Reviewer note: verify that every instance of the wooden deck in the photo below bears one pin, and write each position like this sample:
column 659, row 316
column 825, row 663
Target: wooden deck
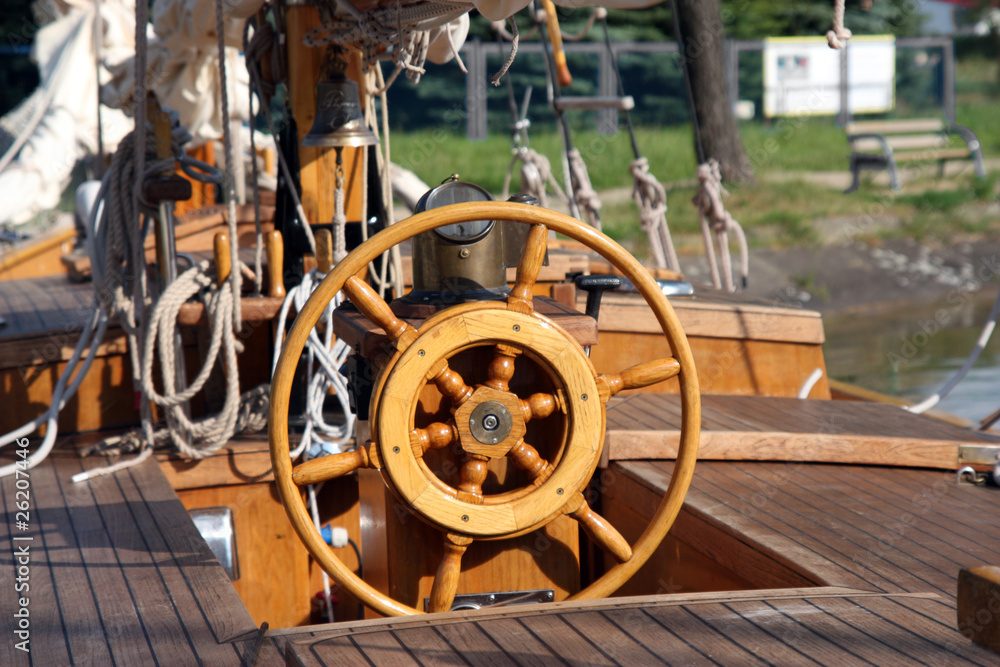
column 850, row 564
column 117, row 573
column 825, row 626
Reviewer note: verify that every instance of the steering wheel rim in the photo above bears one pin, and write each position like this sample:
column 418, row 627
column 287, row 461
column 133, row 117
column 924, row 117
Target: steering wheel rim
column 357, row 261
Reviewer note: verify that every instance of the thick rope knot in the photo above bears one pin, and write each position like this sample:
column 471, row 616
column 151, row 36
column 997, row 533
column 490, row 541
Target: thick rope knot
column 651, row 198
column 715, row 219
column 536, row 174
column 838, row 36
column 584, row 195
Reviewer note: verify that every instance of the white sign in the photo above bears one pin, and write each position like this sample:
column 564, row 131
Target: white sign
column 802, row 75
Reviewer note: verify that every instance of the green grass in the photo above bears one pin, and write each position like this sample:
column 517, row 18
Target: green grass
column 778, row 210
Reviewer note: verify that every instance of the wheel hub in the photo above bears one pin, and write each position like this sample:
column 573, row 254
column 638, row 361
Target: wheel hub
column 490, row 422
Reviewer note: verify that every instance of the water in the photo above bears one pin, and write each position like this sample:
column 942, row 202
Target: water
column 912, row 351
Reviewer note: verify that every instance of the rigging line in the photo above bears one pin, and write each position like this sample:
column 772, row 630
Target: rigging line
column 682, row 45
column 621, row 86
column 258, row 261
column 235, row 276
column 98, row 40
column 554, row 94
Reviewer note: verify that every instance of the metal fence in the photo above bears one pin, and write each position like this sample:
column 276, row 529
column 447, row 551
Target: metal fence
column 475, row 53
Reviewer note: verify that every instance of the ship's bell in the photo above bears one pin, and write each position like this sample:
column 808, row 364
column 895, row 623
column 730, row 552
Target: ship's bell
column 339, row 121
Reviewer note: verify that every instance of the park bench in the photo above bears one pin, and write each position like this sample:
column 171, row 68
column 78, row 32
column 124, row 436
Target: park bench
column 882, row 144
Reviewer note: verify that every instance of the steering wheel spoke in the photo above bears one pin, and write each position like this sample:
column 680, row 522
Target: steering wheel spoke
column 598, row 528
column 638, row 376
column 446, row 579
column 474, row 472
column 435, row 436
column 501, row 369
column 332, row 466
column 529, row 460
column 540, row 406
column 377, row 310
column 450, row 383
column 528, row 267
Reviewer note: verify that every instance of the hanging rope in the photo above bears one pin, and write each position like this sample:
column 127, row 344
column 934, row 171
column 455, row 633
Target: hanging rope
column 651, row 198
column 584, row 195
column 515, row 39
column 838, row 36
column 235, row 276
column 716, row 219
column 391, row 273
column 198, row 439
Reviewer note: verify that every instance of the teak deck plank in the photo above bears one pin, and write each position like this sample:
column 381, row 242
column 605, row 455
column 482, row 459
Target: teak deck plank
column 119, row 574
column 867, row 529
column 475, row 643
column 616, row 644
column 568, row 643
column 825, row 626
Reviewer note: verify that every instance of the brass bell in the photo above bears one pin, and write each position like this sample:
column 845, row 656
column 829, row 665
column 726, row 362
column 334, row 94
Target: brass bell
column 339, row 121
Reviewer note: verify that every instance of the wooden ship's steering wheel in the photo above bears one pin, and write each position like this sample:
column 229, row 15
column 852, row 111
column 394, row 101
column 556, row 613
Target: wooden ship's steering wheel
column 487, row 421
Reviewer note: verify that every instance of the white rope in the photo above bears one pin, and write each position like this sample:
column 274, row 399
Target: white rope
column 838, row 36
column 716, row 219
column 515, row 38
column 339, row 215
column 323, row 357
column 810, row 382
column 583, row 193
column 536, row 176
column 651, row 198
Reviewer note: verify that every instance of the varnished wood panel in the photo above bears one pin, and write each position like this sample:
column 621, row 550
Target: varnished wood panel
column 714, row 314
column 39, row 256
column 103, row 400
column 725, row 366
column 367, row 338
column 647, row 426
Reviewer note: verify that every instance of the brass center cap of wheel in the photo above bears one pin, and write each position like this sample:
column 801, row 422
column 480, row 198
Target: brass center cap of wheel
column 490, row 422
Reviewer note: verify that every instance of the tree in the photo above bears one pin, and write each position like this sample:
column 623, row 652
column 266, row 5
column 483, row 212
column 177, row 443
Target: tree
column 699, row 23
